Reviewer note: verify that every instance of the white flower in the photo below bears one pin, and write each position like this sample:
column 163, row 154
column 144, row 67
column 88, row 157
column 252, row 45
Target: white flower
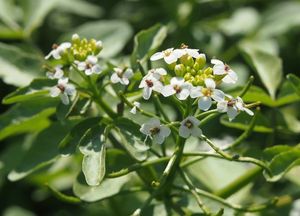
column 58, row 50
column 155, row 130
column 57, row 74
column 121, row 76
column 206, row 94
column 135, row 106
column 233, row 107
column 64, row 90
column 189, row 126
column 89, row 66
column 191, row 52
column 169, row 55
column 151, row 82
column 177, row 86
column 223, row 69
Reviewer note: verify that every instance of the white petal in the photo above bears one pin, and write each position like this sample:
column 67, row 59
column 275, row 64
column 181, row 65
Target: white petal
column 231, row 77
column 124, row 81
column 65, row 45
column 168, row 90
column 248, row 111
column 165, row 131
column 81, row 66
column 147, row 93
column 137, row 104
column 161, row 71
column 216, row 62
column 157, row 56
column 196, row 132
column 154, row 122
column 184, row 131
column 54, row 91
column 170, row 59
column 232, row 113
column 128, row 73
column 158, row 138
column 204, row 103
column 196, row 92
column 222, row 106
column 179, row 52
column 133, row 110
column 65, row 99
column 96, row 69
column 210, row 83
column 70, row 90
column 195, row 121
column 56, row 54
column 218, row 95
column 219, row 69
column 157, row 86
column 183, row 94
column 115, row 78
column 193, row 52
column 49, row 55
column 63, row 81
column 92, row 59
column 58, row 73
column 88, row 71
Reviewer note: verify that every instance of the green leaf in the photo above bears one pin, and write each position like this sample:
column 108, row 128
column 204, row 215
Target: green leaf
column 113, row 33
column 71, row 140
column 117, row 160
column 18, row 68
column 7, row 14
column 107, row 188
column 241, row 122
column 81, row 8
column 93, row 148
column 268, row 67
column 284, row 160
column 20, row 118
column 42, row 152
column 280, row 18
column 130, row 138
column 295, row 82
column 35, row 11
column 35, row 90
column 146, row 42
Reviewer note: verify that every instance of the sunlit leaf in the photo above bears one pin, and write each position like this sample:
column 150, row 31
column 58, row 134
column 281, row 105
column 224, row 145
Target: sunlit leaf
column 267, row 66
column 146, row 42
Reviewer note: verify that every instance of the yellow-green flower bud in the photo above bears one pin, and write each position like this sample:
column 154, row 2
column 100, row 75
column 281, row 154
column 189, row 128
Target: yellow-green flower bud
column 188, row 69
column 193, row 72
column 172, row 66
column 208, row 71
column 75, row 39
column 201, row 60
column 179, row 70
column 200, row 72
column 187, row 76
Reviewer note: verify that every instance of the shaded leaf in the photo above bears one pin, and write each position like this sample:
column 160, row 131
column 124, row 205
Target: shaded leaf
column 107, row 188
column 295, row 82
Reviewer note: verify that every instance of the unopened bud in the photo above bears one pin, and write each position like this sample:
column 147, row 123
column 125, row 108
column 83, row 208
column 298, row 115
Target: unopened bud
column 201, row 60
column 75, row 38
column 208, row 71
column 179, row 70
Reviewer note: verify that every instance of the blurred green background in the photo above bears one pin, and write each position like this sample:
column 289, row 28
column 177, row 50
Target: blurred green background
column 222, row 29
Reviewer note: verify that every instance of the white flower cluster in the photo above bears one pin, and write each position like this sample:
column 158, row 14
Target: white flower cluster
column 191, row 80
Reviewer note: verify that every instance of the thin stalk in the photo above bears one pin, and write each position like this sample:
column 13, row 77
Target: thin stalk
column 251, row 208
column 247, row 86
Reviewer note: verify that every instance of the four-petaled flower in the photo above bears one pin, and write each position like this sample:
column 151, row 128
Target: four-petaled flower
column 169, row 55
column 58, row 73
column 152, row 82
column 135, row 106
column 89, row 66
column 191, row 52
column 206, row 94
column 190, row 126
column 64, row 89
column 233, row 106
column 121, row 76
column 177, row 86
column 157, row 132
column 58, row 50
column 223, row 69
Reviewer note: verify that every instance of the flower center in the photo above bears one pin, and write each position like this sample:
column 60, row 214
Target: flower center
column 188, row 124
column 54, row 46
column 206, row 92
column 184, row 46
column 154, row 130
column 177, row 88
column 167, row 52
column 231, row 103
column 227, row 68
column 61, row 88
column 89, row 65
column 149, row 83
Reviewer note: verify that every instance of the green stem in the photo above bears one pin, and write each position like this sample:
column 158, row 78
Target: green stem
column 252, row 208
column 203, row 114
column 193, row 191
column 159, row 106
column 239, row 183
column 247, row 86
